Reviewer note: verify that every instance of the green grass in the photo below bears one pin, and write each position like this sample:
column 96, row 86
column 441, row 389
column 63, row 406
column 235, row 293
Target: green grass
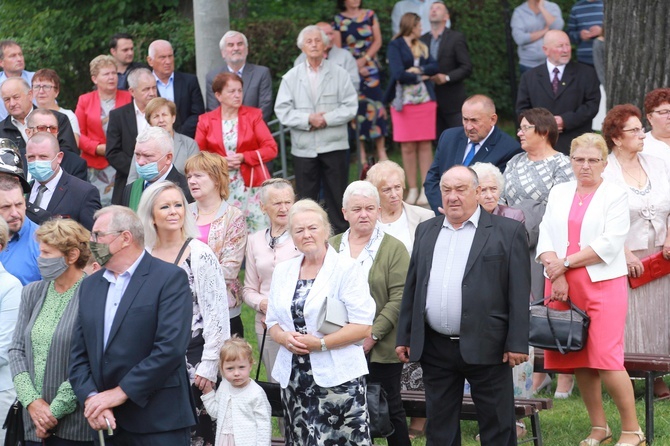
column 564, row 425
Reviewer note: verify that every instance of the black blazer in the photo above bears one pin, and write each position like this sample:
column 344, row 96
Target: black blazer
column 73, row 198
column 498, row 149
column 145, row 351
column 174, row 176
column 496, row 290
column 121, row 136
column 453, row 59
column 190, row 105
column 576, row 101
column 72, row 163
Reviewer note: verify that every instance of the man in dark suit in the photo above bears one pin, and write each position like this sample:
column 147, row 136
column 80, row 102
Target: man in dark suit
column 18, row 97
column 153, row 160
column 123, row 127
column 569, row 90
column 122, row 49
column 464, row 313
column 55, row 192
column 129, row 343
column 450, row 50
column 479, row 140
column 181, row 88
column 257, row 88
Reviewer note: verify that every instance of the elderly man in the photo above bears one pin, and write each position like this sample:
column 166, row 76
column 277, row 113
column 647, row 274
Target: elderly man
column 129, row 342
column 569, row 90
column 450, row 50
column 316, row 100
column 153, row 162
column 13, row 65
column 338, row 56
column 125, row 123
column 479, row 140
column 464, row 312
column 181, row 88
column 17, row 95
column 56, row 193
column 122, row 49
column 20, row 255
column 257, row 89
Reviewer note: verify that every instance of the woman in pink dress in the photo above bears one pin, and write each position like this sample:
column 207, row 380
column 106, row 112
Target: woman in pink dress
column 581, row 245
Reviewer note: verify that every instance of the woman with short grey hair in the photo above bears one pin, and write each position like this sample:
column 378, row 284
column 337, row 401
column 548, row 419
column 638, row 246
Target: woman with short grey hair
column 492, row 184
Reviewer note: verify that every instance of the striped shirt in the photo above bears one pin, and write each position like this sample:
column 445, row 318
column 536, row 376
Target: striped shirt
column 584, row 15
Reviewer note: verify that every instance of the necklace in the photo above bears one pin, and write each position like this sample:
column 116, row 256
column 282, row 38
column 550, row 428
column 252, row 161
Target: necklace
column 200, row 212
column 637, row 179
column 582, row 198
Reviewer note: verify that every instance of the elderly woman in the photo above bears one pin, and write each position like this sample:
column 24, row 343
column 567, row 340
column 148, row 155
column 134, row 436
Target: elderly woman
column 529, row 176
column 657, row 106
column 385, row 261
column 322, row 376
column 40, row 352
column 647, row 181
column 46, row 86
column 581, row 246
column 265, row 249
column 239, row 134
column 414, row 108
column 219, row 225
column 10, row 298
column 161, row 112
column 93, row 115
column 318, row 123
column 396, row 217
column 170, row 235
column 361, row 35
column 492, row 183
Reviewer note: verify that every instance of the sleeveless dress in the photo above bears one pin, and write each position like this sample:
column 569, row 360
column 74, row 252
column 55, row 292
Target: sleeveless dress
column 357, row 38
column 315, row 415
column 605, row 302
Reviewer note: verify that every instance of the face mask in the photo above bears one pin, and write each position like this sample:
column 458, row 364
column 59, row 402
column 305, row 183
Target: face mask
column 149, row 171
column 41, row 170
column 100, row 252
column 51, row 268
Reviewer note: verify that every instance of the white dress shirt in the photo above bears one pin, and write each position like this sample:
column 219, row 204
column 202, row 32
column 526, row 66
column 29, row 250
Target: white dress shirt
column 140, row 119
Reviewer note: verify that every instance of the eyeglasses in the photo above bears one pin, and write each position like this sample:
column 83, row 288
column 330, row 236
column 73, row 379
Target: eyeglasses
column 525, row 128
column 664, row 113
column 635, row 131
column 53, row 129
column 589, row 161
column 95, row 235
column 43, row 87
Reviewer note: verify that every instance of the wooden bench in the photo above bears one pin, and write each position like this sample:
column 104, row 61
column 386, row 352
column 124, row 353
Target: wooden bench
column 638, row 365
column 414, row 402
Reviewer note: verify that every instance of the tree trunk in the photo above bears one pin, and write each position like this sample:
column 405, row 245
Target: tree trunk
column 637, row 33
column 211, row 22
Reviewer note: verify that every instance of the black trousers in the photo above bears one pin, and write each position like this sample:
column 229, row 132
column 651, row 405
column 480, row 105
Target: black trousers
column 178, row 437
column 388, row 375
column 492, row 390
column 331, row 169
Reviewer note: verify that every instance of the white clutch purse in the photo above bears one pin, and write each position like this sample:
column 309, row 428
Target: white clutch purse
column 332, row 316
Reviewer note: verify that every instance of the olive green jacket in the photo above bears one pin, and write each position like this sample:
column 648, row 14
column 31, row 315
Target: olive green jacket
column 387, row 281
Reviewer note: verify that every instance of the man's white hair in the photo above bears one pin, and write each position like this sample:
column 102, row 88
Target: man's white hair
column 230, row 34
column 159, row 136
column 310, row 29
column 154, row 44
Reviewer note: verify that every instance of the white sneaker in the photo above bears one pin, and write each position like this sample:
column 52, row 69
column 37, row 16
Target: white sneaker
column 412, row 195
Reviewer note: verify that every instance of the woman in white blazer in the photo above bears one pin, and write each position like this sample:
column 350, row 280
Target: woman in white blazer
column 323, row 388
column 581, row 245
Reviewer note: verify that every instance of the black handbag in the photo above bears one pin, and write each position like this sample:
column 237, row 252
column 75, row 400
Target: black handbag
column 378, row 409
column 15, row 435
column 272, row 390
column 561, row 330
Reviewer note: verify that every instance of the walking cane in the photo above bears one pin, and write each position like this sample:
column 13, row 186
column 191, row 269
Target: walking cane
column 101, row 434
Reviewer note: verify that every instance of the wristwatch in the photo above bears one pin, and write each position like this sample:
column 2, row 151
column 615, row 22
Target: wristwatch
column 323, row 345
column 566, row 263
column 374, row 338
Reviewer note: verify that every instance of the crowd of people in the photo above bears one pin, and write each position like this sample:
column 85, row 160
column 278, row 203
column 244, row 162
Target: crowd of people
column 126, row 224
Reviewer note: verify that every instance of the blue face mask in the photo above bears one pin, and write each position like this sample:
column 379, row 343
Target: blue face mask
column 149, row 171
column 41, row 170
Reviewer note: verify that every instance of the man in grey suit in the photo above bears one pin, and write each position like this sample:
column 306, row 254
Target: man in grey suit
column 257, row 80
column 464, row 312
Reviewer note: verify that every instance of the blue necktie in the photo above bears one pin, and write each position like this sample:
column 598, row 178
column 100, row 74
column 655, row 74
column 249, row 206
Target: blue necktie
column 470, row 155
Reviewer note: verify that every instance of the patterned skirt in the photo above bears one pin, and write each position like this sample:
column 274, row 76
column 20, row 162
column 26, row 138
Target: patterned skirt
column 317, row 415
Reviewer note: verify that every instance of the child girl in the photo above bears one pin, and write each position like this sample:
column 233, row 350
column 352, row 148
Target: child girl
column 239, row 404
